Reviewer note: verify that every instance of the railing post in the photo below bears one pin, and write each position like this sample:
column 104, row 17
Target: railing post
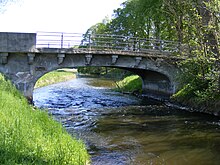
column 62, row 40
column 134, row 46
column 160, row 46
column 89, row 41
column 179, row 48
column 139, row 45
column 134, row 43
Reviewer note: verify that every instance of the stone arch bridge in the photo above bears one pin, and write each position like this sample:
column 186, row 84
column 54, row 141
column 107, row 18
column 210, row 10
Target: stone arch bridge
column 25, row 57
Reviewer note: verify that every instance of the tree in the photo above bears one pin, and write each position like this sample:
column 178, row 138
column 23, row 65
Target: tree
column 93, row 35
column 201, row 70
column 136, row 19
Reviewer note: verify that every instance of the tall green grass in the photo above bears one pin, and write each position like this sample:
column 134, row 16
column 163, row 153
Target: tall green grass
column 30, row 136
column 55, row 77
column 131, row 84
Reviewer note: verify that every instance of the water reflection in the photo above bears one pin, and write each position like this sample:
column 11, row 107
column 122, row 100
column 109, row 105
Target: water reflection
column 120, row 130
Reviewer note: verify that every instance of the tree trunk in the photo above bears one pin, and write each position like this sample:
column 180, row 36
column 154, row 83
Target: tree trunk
column 210, row 37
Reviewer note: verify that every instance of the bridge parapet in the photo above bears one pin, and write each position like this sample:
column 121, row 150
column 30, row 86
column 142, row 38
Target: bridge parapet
column 17, row 42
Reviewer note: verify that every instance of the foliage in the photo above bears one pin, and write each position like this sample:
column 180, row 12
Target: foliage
column 201, row 70
column 30, row 136
column 55, row 77
column 131, row 84
column 104, row 71
column 95, row 30
column 93, row 70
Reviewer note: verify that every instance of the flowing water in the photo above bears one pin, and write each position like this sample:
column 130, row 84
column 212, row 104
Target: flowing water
column 125, row 130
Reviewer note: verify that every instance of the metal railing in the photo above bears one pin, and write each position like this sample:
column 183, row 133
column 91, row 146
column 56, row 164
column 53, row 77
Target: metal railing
column 103, row 42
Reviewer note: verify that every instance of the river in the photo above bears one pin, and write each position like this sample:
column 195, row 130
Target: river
column 125, row 130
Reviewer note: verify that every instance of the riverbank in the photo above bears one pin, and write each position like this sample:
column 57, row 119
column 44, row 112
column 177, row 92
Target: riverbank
column 30, row 136
column 132, row 84
column 211, row 107
column 56, row 76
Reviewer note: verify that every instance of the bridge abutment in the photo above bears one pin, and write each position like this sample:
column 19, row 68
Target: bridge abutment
column 158, row 87
column 23, row 81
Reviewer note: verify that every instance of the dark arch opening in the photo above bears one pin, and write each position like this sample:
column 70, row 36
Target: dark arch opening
column 101, row 84
column 55, row 76
column 153, row 82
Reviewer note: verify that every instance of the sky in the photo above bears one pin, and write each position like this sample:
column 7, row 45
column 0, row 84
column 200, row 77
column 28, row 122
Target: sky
column 74, row 16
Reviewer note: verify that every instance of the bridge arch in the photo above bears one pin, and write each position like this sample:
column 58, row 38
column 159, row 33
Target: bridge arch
column 156, row 79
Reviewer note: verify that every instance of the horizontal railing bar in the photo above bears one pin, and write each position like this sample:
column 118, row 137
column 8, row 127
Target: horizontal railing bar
column 56, row 32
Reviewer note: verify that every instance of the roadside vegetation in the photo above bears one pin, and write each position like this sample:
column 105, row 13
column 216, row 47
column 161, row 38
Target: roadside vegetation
column 31, row 136
column 55, row 77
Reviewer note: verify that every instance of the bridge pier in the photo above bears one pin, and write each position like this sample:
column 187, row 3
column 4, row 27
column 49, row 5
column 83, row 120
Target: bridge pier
column 27, row 89
column 24, row 82
column 158, row 88
column 155, row 83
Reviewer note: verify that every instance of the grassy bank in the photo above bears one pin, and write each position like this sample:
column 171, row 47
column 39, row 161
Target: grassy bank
column 30, row 136
column 55, row 77
column 202, row 101
column 130, row 84
column 188, row 96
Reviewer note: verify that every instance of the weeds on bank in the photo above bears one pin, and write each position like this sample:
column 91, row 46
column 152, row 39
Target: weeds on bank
column 131, row 84
column 30, row 136
column 55, row 77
